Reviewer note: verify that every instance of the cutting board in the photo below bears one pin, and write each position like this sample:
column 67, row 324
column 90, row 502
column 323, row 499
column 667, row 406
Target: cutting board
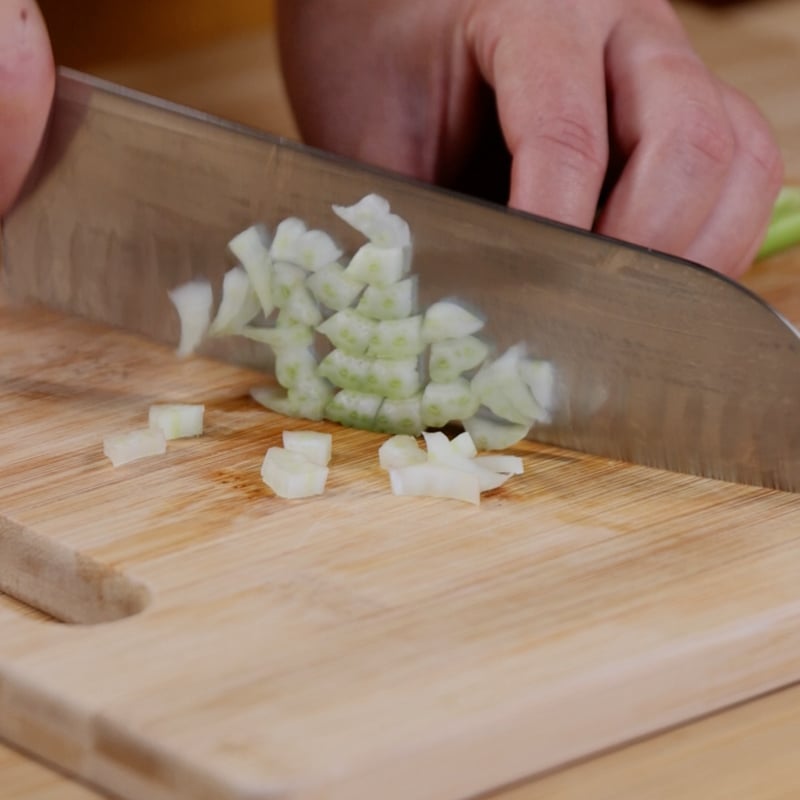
column 216, row 641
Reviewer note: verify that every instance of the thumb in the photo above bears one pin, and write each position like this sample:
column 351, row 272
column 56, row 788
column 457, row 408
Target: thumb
column 27, row 79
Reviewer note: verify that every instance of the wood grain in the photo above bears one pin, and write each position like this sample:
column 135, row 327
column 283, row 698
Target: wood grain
column 762, row 53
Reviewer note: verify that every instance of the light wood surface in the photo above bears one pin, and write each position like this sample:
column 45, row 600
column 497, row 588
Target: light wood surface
column 745, row 752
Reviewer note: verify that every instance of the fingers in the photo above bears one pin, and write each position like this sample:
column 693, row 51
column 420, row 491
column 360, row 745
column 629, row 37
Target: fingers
column 732, row 234
column 552, row 109
column 26, row 89
column 702, row 168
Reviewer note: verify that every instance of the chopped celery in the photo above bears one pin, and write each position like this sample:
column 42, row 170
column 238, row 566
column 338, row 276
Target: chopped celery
column 445, row 402
column 287, row 232
column 397, row 338
column 315, row 249
column 347, row 330
column 177, row 420
column 391, row 302
column 300, row 307
column 400, row 416
column 316, row 446
column 490, row 434
column 291, row 475
column 251, row 248
column 400, row 451
column 294, row 365
column 450, row 358
column 192, row 301
column 333, row 287
column 396, row 379
column 239, row 304
column 354, row 409
column 346, row 371
column 372, row 217
column 378, row 266
column 285, row 277
column 286, row 336
column 499, row 386
column 447, row 319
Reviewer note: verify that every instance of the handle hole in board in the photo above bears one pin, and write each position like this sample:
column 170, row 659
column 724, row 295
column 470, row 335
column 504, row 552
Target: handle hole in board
column 46, row 581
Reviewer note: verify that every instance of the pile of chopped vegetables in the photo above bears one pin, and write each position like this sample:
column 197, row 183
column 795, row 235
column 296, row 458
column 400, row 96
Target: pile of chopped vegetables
column 165, row 421
column 390, row 366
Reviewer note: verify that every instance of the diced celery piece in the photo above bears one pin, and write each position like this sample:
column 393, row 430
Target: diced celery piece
column 353, row 409
column 316, row 446
column 490, row 434
column 315, row 249
column 499, row 386
column 445, row 402
column 307, row 400
column 391, row 302
column 378, row 266
column 177, row 420
column 436, row 480
column 291, row 475
column 285, row 277
column 540, row 377
column 446, row 319
column 333, row 287
column 400, row 416
column 397, row 338
column 450, row 358
column 284, row 242
column 293, row 365
column 347, row 330
column 122, row 448
column 278, row 338
column 300, row 307
column 400, row 451
column 396, row 379
column 463, row 444
column 251, row 248
column 238, row 306
column 192, row 301
column 345, row 370
column 442, row 451
column 371, row 216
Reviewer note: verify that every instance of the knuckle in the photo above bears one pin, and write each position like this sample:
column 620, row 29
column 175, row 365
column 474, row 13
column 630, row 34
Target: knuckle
column 576, row 143
column 704, row 140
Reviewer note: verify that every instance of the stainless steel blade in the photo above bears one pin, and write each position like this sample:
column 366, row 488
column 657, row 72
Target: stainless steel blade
column 658, row 361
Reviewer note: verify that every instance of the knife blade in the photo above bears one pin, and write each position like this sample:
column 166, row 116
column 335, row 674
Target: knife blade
column 658, row 361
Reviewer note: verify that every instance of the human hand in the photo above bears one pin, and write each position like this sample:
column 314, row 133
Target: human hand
column 26, row 89
column 601, row 105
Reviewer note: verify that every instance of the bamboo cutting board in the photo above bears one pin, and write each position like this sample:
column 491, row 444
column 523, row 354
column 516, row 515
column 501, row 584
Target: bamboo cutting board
column 360, row 645
column 234, row 645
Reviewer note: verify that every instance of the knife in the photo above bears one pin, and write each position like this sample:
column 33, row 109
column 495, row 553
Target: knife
column 658, row 361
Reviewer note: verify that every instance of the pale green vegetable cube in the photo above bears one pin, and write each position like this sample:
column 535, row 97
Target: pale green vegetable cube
column 396, row 379
column 347, row 330
column 379, row 266
column 353, row 409
column 400, row 416
column 345, row 370
column 291, row 475
column 333, row 287
column 397, row 338
column 445, row 402
column 447, row 319
column 177, row 420
column 450, row 358
column 391, row 302
column 285, row 277
column 316, row 446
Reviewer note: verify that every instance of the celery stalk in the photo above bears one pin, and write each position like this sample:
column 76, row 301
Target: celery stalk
column 784, row 227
